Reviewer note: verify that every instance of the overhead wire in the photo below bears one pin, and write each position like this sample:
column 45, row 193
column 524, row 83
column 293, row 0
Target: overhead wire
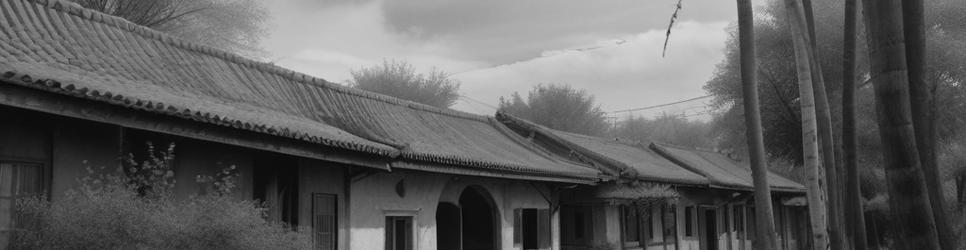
column 659, row 105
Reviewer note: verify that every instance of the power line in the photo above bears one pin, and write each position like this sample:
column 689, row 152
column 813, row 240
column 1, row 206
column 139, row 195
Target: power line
column 479, row 102
column 659, row 105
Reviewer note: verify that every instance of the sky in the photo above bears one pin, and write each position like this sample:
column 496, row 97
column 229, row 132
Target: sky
column 610, row 48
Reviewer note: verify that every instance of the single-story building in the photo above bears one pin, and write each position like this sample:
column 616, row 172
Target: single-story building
column 362, row 170
column 667, row 197
column 727, row 210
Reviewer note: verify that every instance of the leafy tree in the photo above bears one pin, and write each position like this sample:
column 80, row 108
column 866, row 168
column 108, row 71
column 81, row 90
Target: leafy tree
column 945, row 38
column 946, row 43
column 559, row 107
column 399, row 79
column 674, row 129
column 232, row 25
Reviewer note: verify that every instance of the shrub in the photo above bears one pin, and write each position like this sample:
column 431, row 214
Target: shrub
column 132, row 208
column 602, row 245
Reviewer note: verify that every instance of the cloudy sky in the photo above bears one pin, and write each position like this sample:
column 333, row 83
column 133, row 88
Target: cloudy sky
column 611, row 48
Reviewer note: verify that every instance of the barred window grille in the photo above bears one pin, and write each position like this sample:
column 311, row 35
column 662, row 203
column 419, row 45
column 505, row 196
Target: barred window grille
column 17, row 180
column 324, row 221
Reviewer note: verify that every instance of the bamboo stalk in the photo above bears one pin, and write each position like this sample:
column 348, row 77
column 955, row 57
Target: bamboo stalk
column 764, row 213
column 816, row 203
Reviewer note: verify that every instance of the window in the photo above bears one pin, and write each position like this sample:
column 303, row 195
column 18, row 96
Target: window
column 751, row 223
column 670, row 224
column 739, row 224
column 17, row 180
column 399, row 233
column 531, row 228
column 650, row 218
column 689, row 221
column 276, row 182
column 324, row 221
column 576, row 225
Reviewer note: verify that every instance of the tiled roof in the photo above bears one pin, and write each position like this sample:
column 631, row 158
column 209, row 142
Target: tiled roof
column 721, row 170
column 633, row 158
column 636, row 191
column 60, row 47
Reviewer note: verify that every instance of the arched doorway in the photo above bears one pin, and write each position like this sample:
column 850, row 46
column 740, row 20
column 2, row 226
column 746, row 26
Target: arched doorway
column 479, row 223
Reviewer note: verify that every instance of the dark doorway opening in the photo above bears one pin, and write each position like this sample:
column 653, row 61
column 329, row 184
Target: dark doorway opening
column 530, row 232
column 711, row 238
column 478, row 224
column 448, row 226
column 276, row 183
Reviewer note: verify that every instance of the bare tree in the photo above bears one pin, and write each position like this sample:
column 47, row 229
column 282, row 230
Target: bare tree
column 816, row 202
column 232, row 25
column 908, row 196
column 764, row 214
column 149, row 13
column 854, row 213
column 399, row 79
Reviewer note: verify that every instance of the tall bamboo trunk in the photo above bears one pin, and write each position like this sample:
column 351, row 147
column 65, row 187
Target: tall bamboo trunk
column 826, row 142
column 922, row 94
column 764, row 213
column 854, row 214
column 816, row 203
column 908, row 198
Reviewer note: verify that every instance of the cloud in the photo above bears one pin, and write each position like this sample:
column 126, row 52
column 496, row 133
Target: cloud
column 621, row 76
column 503, row 31
column 611, row 48
column 331, row 40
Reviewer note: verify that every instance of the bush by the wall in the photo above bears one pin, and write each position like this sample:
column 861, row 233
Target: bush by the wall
column 131, row 208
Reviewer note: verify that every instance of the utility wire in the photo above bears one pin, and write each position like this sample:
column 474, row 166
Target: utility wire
column 659, row 105
column 479, row 102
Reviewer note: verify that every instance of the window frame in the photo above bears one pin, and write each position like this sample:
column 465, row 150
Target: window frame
column 690, row 222
column 738, row 216
column 543, row 226
column 335, row 220
column 410, row 215
column 44, row 188
column 625, row 212
column 669, row 224
column 576, row 230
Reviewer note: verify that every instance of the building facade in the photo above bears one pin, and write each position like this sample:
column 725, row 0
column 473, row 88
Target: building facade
column 81, row 89
column 666, row 196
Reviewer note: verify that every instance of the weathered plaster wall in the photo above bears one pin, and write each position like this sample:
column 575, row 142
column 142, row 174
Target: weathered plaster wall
column 374, row 197
column 63, row 145
column 322, row 177
column 78, row 145
column 612, row 227
column 194, row 158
